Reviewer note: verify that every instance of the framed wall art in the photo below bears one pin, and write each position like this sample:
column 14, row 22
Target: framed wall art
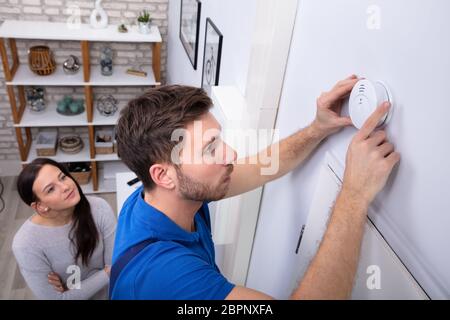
column 211, row 56
column 190, row 28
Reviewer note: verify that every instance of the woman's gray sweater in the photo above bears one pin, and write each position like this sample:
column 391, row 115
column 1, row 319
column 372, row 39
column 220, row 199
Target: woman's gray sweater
column 41, row 249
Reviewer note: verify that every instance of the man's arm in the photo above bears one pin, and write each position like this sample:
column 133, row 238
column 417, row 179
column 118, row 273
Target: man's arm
column 331, row 273
column 248, row 173
column 370, row 160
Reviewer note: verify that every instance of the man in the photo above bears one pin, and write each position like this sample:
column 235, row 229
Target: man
column 158, row 139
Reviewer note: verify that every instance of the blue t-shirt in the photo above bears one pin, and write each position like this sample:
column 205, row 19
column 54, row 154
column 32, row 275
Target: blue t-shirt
column 177, row 265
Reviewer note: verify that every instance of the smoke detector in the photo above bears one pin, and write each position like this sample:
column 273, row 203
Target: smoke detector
column 365, row 97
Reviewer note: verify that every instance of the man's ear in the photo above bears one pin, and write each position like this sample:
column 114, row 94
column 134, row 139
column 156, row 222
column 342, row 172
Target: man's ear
column 159, row 174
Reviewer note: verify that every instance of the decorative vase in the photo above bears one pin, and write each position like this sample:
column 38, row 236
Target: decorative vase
column 144, row 27
column 40, row 60
column 35, row 98
column 99, row 18
column 74, row 107
column 61, row 107
column 107, row 105
column 122, row 28
column 69, row 106
column 71, row 65
column 106, row 63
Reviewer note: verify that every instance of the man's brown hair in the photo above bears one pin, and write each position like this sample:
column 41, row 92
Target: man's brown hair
column 146, row 124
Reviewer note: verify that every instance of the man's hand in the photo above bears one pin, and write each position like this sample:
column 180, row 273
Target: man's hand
column 370, row 159
column 329, row 105
column 55, row 280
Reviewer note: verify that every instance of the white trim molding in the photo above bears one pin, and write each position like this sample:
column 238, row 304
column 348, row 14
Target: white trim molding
column 235, row 219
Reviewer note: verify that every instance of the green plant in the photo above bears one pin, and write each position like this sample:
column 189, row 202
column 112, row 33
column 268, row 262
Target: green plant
column 144, row 16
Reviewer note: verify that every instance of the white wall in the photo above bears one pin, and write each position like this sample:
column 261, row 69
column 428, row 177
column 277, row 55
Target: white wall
column 409, row 52
column 235, row 19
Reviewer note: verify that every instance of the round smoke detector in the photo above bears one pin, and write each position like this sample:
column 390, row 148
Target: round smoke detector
column 366, row 96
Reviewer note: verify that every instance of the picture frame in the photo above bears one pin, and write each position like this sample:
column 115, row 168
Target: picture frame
column 190, row 13
column 211, row 56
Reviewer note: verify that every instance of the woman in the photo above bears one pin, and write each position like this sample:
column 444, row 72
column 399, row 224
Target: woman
column 64, row 250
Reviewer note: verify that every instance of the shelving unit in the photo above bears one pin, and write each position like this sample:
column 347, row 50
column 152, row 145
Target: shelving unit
column 19, row 75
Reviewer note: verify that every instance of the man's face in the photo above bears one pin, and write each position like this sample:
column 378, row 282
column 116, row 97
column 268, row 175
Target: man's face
column 206, row 162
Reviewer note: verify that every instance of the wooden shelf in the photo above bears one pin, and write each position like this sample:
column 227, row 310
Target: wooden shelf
column 44, row 30
column 82, row 156
column 106, row 157
column 25, row 77
column 18, row 75
column 51, row 118
column 121, row 78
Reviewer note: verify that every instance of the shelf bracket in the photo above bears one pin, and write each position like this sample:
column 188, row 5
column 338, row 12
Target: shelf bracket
column 156, row 60
column 24, row 149
column 94, row 175
column 86, row 60
column 91, row 141
column 9, row 72
column 89, row 103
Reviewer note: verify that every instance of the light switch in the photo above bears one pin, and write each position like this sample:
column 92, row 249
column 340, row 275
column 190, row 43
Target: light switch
column 365, row 97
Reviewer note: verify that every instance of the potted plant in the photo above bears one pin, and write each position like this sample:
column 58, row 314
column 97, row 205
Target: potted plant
column 144, row 21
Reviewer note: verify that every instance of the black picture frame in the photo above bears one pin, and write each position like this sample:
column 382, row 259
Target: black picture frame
column 212, row 54
column 190, row 13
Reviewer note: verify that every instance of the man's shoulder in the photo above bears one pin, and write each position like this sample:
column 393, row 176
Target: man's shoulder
column 164, row 249
column 168, row 270
column 158, row 259
column 163, row 257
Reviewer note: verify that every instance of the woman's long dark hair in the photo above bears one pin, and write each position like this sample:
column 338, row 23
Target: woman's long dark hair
column 83, row 234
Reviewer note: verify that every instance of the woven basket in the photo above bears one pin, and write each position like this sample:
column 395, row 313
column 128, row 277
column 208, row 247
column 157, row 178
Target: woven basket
column 40, row 60
column 71, row 144
column 81, row 177
column 104, row 150
column 46, row 152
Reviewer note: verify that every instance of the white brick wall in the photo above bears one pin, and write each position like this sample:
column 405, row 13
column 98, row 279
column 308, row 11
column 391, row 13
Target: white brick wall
column 56, row 10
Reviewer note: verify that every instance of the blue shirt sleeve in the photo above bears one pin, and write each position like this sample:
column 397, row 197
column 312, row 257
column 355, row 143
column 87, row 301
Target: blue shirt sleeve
column 180, row 275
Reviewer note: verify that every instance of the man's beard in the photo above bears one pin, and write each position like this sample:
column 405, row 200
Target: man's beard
column 194, row 190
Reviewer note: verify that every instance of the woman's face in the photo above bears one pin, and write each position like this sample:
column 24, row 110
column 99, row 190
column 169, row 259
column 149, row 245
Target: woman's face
column 55, row 190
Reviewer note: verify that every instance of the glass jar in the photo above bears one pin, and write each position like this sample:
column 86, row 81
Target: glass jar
column 106, row 61
column 35, row 99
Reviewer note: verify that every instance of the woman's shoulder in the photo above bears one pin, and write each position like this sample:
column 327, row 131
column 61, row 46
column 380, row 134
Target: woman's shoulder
column 97, row 202
column 101, row 210
column 26, row 236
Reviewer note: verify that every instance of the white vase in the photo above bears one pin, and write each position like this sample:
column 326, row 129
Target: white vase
column 144, row 27
column 99, row 19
